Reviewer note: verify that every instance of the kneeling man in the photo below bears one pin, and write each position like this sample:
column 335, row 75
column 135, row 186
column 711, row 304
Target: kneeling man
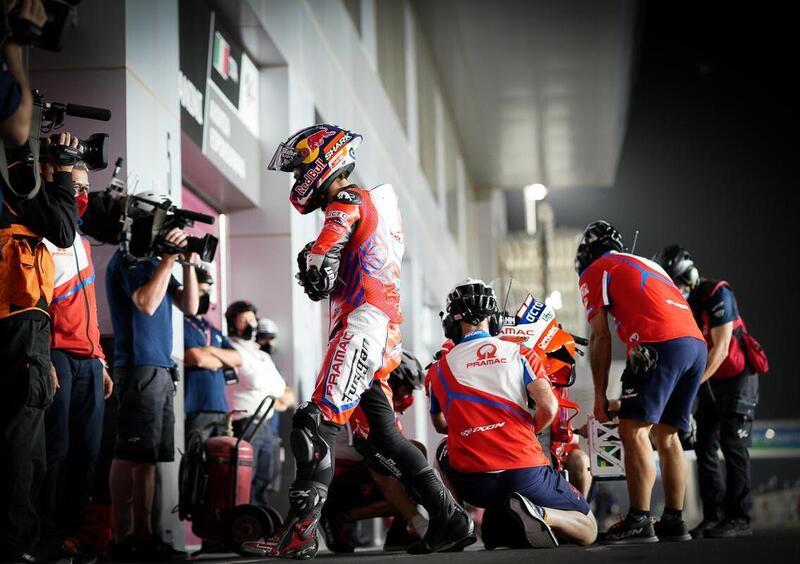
column 481, row 392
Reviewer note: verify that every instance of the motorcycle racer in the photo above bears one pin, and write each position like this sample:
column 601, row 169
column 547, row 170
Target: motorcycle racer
column 355, row 261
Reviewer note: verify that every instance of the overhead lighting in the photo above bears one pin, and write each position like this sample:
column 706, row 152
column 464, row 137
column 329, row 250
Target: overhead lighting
column 554, row 300
column 535, row 192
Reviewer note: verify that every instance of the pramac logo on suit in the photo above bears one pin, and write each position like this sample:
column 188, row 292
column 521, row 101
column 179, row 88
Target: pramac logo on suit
column 486, row 355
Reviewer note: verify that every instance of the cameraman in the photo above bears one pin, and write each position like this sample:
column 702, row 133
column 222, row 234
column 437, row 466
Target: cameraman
column 16, row 101
column 140, row 296
column 27, row 377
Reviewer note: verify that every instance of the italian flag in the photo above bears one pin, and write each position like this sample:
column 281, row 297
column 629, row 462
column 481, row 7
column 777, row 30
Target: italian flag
column 221, row 54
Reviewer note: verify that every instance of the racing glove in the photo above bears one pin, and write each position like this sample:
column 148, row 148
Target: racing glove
column 642, row 359
column 318, row 280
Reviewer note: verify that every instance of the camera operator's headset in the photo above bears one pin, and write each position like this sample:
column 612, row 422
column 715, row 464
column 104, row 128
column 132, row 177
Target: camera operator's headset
column 34, row 146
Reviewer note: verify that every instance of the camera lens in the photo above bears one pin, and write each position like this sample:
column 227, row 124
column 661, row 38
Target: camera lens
column 95, row 151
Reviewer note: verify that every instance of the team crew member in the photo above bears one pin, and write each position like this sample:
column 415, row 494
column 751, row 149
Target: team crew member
column 140, row 296
column 257, row 377
column 27, row 378
column 480, row 392
column 726, row 400
column 366, row 483
column 356, row 261
column 74, row 421
column 666, row 356
column 206, row 352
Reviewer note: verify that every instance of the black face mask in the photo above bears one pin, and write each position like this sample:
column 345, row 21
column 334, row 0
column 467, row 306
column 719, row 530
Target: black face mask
column 249, row 333
column 267, row 348
column 205, row 302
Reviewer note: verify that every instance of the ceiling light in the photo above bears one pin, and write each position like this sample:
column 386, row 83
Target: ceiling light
column 535, row 192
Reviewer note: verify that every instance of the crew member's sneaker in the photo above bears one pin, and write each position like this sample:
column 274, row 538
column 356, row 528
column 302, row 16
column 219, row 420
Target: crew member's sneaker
column 399, row 536
column 452, row 530
column 630, row 531
column 33, row 557
column 72, row 548
column 671, row 529
column 730, row 529
column 336, row 537
column 530, row 517
column 700, row 530
column 129, row 549
column 157, row 550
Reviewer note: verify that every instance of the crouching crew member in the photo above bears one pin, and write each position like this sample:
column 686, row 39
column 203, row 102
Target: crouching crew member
column 368, row 483
column 480, row 394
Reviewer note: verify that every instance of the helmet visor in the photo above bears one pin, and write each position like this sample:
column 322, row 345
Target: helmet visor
column 285, row 159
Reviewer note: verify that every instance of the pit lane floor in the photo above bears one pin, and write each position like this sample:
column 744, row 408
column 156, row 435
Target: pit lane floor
column 764, row 547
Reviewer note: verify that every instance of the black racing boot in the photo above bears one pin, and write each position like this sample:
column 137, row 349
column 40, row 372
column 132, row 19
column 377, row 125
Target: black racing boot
column 297, row 536
column 450, row 527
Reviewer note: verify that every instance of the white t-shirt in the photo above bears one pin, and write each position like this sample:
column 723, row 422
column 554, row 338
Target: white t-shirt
column 258, row 378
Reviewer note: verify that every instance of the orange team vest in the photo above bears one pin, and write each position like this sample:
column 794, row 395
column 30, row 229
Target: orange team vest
column 27, row 273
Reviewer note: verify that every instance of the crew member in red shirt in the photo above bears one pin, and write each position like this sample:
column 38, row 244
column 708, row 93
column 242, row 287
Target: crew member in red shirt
column 666, row 356
column 74, row 421
column 480, row 393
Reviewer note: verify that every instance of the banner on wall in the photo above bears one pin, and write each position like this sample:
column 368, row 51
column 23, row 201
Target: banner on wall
column 219, row 95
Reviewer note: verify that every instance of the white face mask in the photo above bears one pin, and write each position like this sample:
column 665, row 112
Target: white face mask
column 685, row 293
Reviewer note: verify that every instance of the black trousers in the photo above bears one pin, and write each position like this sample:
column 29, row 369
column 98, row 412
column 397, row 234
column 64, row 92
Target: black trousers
column 26, row 392
column 725, row 411
column 73, row 430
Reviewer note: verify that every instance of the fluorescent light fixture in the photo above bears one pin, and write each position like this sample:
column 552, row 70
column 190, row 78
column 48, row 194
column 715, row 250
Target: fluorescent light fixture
column 535, row 192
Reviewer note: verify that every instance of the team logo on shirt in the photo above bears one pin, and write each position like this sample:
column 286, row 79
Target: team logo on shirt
column 486, row 355
column 480, row 429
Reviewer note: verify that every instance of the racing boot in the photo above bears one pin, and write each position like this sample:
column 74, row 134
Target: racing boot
column 450, row 527
column 297, row 536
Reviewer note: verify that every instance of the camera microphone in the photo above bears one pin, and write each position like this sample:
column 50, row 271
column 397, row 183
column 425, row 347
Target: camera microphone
column 88, row 112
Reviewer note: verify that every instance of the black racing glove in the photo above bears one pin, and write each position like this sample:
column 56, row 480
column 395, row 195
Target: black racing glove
column 317, row 282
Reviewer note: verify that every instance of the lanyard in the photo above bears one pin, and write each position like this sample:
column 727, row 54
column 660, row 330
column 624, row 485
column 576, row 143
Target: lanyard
column 205, row 330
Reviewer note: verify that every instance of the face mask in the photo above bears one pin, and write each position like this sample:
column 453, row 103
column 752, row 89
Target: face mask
column 249, row 333
column 205, row 302
column 267, row 348
column 82, row 201
column 685, row 293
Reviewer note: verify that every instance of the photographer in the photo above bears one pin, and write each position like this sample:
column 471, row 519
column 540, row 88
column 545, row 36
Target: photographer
column 16, row 101
column 27, row 377
column 74, row 421
column 206, row 352
column 140, row 296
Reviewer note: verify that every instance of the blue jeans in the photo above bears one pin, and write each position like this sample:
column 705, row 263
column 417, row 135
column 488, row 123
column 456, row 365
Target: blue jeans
column 73, row 430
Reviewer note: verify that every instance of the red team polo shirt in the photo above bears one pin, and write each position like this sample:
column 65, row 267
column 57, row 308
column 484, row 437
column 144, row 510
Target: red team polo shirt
column 481, row 387
column 646, row 305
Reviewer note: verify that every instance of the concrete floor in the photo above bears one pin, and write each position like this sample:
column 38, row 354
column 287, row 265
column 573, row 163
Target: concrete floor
column 764, row 547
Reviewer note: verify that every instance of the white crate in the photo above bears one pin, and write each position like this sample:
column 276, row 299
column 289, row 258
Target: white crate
column 605, row 450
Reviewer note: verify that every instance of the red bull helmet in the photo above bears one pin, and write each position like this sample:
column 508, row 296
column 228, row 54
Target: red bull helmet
column 317, row 155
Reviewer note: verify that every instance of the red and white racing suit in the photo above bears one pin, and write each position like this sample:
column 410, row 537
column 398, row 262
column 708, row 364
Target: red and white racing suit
column 364, row 228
